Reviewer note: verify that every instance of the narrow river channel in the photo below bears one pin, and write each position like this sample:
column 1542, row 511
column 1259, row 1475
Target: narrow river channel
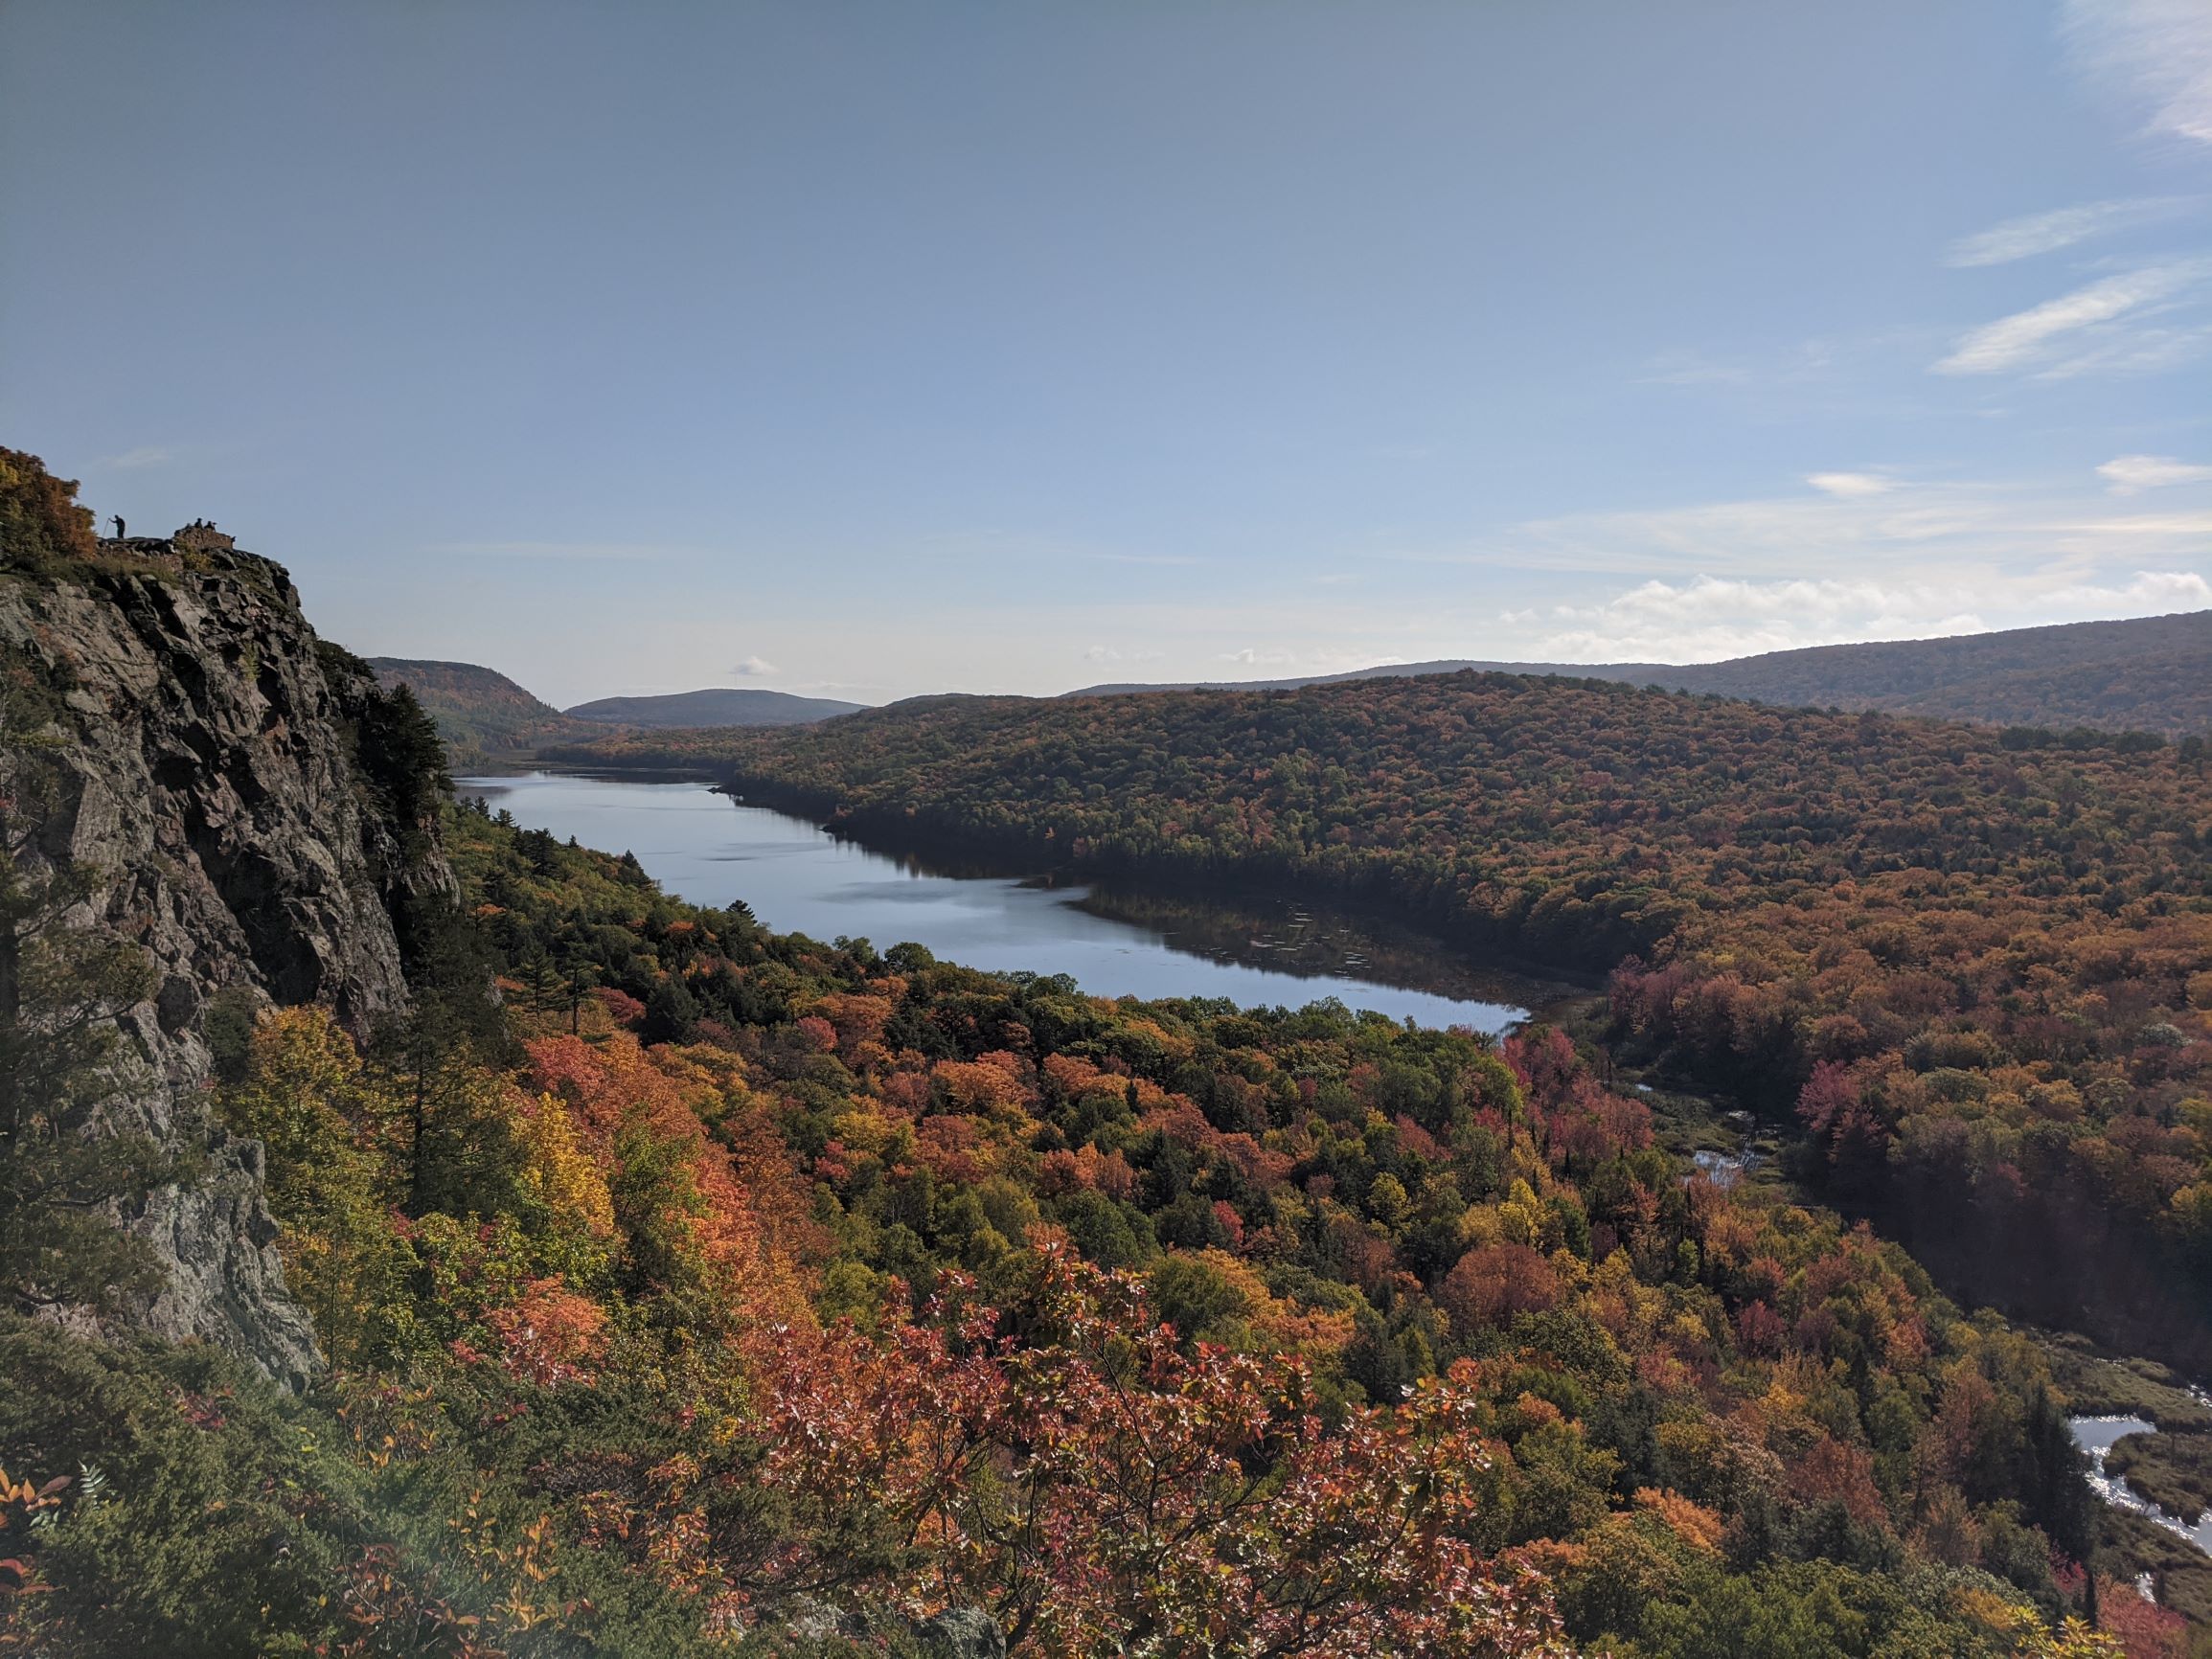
column 2096, row 1435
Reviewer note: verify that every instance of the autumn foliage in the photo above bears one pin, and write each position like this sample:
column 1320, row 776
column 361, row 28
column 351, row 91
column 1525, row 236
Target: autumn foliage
column 1980, row 961
column 885, row 1287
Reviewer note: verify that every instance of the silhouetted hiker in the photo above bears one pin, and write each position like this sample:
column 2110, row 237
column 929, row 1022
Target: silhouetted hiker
column 118, row 517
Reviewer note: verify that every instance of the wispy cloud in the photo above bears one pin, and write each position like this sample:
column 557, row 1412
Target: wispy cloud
column 2028, row 339
column 754, row 667
column 133, row 460
column 2157, row 54
column 1115, row 654
column 2150, row 526
column 2023, row 239
column 2131, row 474
column 1850, row 486
column 584, row 551
column 2132, row 349
column 1687, row 366
column 1159, row 558
column 1898, row 535
column 1319, row 660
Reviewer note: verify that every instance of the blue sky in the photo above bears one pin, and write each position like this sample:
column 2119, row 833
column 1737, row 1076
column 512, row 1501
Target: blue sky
column 874, row 349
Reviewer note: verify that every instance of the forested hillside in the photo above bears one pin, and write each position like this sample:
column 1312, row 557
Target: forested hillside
column 2149, row 673
column 485, row 718
column 2152, row 674
column 482, row 715
column 749, row 1284
column 1979, row 962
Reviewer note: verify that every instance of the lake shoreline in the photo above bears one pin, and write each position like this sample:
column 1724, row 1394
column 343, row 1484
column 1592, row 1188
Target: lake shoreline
column 1012, row 915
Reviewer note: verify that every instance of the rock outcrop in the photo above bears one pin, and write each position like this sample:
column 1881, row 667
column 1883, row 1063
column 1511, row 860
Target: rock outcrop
column 209, row 781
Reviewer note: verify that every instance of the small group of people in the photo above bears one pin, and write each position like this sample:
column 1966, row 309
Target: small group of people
column 206, row 524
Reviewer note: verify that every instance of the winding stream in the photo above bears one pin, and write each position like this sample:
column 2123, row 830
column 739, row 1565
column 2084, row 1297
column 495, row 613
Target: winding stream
column 2097, row 1436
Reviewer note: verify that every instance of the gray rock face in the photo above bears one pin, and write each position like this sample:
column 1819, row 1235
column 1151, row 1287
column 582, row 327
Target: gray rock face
column 962, row 1633
column 954, row 1634
column 209, row 781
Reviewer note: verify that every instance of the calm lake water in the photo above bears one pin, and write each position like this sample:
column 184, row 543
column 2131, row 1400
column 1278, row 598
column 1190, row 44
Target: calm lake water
column 798, row 878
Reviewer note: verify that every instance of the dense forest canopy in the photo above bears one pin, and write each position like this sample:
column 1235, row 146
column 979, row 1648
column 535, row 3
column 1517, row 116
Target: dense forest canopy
column 1978, row 962
column 746, row 1283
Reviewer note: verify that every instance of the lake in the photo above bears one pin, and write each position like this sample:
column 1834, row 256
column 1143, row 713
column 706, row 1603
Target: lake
column 797, row 877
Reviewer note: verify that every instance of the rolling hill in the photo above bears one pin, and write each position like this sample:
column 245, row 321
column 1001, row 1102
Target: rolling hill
column 716, row 706
column 483, row 715
column 2149, row 673
column 485, row 718
column 1905, row 933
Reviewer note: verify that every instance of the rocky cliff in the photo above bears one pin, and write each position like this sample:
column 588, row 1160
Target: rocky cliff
column 215, row 780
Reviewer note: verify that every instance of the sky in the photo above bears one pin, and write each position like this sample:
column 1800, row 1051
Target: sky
column 873, row 348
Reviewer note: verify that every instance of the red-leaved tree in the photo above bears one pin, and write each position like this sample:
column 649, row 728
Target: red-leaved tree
column 1067, row 1466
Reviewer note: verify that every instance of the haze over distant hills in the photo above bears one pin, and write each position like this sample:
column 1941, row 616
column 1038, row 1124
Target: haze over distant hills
column 2151, row 674
column 716, row 706
column 485, row 717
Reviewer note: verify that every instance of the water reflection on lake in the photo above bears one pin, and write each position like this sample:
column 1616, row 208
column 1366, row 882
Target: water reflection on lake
column 797, row 877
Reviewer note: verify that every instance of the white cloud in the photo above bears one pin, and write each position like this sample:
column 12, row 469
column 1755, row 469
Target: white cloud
column 1850, row 486
column 2023, row 238
column 1973, row 539
column 753, row 667
column 2025, row 339
column 2155, row 53
column 1709, row 618
column 1903, row 526
column 2130, row 475
column 2153, row 592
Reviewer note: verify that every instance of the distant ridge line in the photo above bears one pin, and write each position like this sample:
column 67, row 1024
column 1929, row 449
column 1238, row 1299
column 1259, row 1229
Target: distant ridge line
column 2152, row 673
column 712, row 706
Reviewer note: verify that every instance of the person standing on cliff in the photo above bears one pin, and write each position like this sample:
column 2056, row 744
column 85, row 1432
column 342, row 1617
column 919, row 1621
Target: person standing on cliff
column 118, row 518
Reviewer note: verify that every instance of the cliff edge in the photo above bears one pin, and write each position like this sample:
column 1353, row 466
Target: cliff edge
column 217, row 787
